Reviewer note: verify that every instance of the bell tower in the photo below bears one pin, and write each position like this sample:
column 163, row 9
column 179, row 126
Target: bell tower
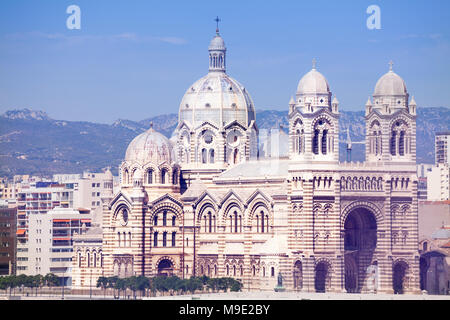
column 391, row 121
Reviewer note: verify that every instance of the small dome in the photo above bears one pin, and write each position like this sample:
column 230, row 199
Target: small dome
column 217, row 43
column 313, row 83
column 150, row 146
column 390, row 84
column 443, row 233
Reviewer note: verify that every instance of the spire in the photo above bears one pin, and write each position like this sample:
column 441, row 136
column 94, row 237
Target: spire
column 413, row 102
column 217, row 20
column 217, row 51
column 314, row 61
column 335, row 100
column 291, row 102
column 368, row 103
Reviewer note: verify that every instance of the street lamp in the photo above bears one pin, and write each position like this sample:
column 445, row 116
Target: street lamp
column 62, row 298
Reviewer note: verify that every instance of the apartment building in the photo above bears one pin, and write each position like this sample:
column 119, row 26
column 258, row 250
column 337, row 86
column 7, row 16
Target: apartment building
column 7, row 239
column 50, row 248
column 442, row 148
column 81, row 192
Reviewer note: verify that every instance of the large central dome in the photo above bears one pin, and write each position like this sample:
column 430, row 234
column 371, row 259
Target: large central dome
column 216, row 98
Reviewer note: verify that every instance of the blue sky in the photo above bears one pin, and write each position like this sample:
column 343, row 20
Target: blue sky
column 135, row 59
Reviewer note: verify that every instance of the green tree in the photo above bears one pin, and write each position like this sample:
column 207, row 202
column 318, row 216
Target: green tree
column 112, row 284
column 193, row 284
column 102, row 282
column 143, row 284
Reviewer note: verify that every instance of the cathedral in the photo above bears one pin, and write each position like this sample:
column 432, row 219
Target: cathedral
column 205, row 202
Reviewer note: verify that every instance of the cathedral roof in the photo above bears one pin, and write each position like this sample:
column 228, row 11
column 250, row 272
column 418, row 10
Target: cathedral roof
column 313, row 83
column 258, row 168
column 217, row 98
column 150, row 146
column 390, row 84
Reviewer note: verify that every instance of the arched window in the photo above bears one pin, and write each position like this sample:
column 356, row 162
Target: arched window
column 163, row 176
column 228, row 270
column 175, row 177
column 118, row 237
column 174, row 218
column 254, row 271
column 155, row 239
column 211, row 155
column 272, row 272
column 155, row 220
column 174, row 237
column 88, row 259
column 324, row 141
column 164, row 218
column 150, row 176
column 210, row 222
column 126, row 177
column 204, row 155
column 393, row 143
column 129, row 239
column 401, row 144
column 315, row 144
column 262, row 221
column 164, row 239
column 95, row 260
column 79, row 259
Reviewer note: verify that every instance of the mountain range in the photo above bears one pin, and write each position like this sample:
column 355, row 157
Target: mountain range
column 33, row 143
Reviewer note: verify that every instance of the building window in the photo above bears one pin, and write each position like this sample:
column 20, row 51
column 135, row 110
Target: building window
column 164, row 239
column 174, row 237
column 155, row 239
column 150, row 176
column 163, row 176
column 174, row 221
column 164, row 218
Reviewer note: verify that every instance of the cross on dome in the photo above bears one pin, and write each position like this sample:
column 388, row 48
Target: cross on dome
column 217, row 20
column 314, row 61
column 390, row 65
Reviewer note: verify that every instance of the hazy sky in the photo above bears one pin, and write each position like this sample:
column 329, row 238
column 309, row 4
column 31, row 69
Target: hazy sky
column 135, row 59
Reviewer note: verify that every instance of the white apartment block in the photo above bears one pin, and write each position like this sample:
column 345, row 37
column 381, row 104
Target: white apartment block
column 442, row 147
column 50, row 246
column 73, row 191
column 438, row 183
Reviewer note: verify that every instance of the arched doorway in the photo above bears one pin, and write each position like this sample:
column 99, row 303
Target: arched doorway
column 298, row 276
column 399, row 272
column 322, row 277
column 351, row 274
column 165, row 268
column 360, row 239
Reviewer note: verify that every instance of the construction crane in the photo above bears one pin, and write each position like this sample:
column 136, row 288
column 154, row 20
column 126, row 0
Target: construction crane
column 349, row 144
